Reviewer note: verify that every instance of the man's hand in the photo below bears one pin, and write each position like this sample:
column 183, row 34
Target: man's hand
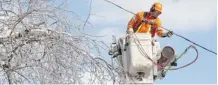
column 130, row 31
column 169, row 34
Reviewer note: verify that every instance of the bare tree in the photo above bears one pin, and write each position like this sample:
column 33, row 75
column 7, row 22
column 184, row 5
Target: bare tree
column 35, row 47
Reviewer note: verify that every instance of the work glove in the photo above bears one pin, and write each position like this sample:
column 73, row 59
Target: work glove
column 169, row 34
column 130, row 31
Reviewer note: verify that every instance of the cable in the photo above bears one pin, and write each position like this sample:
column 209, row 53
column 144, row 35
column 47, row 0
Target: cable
column 190, row 62
column 141, row 49
column 120, row 7
column 181, row 56
column 192, row 42
column 166, row 29
column 168, row 61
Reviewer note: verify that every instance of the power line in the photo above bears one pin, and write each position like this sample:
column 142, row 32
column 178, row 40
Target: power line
column 167, row 30
column 192, row 42
column 120, row 7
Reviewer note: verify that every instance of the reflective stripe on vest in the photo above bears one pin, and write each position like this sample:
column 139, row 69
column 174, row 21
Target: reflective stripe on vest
column 151, row 29
column 140, row 24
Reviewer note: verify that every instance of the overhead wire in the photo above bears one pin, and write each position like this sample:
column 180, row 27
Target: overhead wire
column 167, row 30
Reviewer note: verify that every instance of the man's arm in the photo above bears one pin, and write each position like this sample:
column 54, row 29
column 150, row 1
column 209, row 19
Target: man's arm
column 159, row 30
column 158, row 25
column 132, row 22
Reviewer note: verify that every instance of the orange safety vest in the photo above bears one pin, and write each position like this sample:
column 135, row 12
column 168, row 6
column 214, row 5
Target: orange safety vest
column 139, row 25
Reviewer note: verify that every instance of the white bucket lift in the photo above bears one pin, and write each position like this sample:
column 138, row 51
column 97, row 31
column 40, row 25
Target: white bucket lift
column 137, row 53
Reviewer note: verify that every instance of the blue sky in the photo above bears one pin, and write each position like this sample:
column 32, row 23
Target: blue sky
column 194, row 19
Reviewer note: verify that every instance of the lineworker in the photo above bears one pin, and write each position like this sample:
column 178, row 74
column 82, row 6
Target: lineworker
column 148, row 22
